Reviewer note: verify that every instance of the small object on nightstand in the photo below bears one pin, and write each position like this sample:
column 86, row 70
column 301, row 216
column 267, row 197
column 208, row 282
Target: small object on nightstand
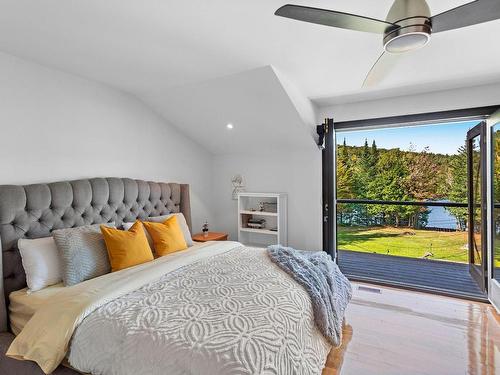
column 210, row 236
column 204, row 229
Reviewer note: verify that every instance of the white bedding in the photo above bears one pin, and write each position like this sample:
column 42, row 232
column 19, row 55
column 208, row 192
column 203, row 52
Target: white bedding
column 23, row 304
column 222, row 309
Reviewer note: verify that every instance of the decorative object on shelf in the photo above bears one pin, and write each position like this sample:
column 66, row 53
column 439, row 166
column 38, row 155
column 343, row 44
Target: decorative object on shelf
column 204, row 229
column 270, row 206
column 256, row 223
column 261, row 206
column 238, row 186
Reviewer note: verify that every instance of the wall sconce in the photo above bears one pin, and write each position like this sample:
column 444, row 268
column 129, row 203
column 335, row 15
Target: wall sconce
column 238, row 187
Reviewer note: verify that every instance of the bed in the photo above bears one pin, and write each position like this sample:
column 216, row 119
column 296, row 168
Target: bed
column 215, row 308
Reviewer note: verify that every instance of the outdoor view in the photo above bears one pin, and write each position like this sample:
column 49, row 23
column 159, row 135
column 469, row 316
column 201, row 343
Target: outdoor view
column 425, row 163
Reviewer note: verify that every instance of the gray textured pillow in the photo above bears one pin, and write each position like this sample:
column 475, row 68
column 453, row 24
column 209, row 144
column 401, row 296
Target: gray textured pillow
column 83, row 253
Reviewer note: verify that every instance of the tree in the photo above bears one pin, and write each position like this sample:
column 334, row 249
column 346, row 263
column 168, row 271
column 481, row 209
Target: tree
column 389, row 184
column 382, row 174
column 367, row 169
column 423, row 176
column 374, row 159
column 421, row 183
column 457, row 185
column 345, row 180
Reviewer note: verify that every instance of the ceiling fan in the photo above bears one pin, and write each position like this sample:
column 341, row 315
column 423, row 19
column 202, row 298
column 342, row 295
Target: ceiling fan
column 408, row 26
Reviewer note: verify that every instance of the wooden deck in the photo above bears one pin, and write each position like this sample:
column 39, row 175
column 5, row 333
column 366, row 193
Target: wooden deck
column 431, row 275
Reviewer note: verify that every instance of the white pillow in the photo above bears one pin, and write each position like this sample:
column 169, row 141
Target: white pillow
column 41, row 262
column 160, row 219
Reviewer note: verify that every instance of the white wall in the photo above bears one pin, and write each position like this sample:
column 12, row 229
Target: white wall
column 475, row 96
column 298, row 173
column 56, row 126
column 295, row 173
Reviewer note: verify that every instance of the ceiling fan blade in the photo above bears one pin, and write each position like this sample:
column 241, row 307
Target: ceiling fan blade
column 478, row 11
column 334, row 19
column 381, row 69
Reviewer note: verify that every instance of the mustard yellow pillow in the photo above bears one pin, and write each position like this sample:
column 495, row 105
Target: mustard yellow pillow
column 126, row 248
column 167, row 236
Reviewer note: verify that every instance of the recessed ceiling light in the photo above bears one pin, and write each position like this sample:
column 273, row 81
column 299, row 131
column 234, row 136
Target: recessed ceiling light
column 229, row 126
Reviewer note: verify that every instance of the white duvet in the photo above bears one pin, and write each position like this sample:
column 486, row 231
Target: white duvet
column 225, row 310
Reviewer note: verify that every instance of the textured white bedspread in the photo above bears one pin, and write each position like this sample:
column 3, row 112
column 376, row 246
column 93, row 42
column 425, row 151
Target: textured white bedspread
column 232, row 313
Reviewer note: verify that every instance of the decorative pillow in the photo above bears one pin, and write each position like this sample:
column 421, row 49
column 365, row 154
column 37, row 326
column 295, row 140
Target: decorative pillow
column 167, row 236
column 160, row 219
column 83, row 253
column 127, row 248
column 41, row 262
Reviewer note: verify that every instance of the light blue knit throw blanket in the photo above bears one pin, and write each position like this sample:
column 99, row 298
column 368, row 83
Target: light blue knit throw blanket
column 329, row 289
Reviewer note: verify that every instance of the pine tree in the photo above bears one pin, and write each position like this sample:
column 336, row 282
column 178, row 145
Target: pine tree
column 345, row 180
column 365, row 168
column 457, row 190
column 374, row 156
column 389, row 185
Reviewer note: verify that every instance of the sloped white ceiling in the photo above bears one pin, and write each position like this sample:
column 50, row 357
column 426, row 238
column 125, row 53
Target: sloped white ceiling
column 255, row 102
column 148, row 46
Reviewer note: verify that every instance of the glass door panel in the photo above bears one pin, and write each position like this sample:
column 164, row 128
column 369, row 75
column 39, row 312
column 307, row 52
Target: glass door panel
column 496, row 200
column 476, row 256
column 477, row 199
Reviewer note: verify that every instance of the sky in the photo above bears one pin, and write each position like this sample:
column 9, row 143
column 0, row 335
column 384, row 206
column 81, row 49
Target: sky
column 440, row 138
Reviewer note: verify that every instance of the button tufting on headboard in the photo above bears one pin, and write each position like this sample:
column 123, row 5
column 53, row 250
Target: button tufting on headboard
column 33, row 211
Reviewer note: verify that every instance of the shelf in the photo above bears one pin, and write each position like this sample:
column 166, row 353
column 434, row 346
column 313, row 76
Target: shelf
column 248, row 209
column 261, row 195
column 260, row 213
column 263, row 231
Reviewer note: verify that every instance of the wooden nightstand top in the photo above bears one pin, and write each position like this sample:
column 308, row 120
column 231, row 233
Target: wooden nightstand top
column 212, row 236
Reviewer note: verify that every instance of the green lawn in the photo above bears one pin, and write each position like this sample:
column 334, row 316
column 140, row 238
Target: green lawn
column 414, row 243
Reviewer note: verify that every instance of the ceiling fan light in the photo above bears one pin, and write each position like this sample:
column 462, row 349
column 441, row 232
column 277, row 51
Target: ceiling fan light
column 407, row 42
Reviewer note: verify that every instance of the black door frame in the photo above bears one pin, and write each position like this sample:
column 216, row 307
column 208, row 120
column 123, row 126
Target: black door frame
column 478, row 272
column 327, row 143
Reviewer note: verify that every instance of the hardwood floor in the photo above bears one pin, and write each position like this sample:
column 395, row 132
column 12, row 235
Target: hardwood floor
column 396, row 332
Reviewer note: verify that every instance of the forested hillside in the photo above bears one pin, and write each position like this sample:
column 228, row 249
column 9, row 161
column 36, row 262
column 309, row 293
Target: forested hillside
column 368, row 172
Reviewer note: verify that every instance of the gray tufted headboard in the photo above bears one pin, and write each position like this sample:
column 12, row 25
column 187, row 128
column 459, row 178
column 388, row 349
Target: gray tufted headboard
column 33, row 211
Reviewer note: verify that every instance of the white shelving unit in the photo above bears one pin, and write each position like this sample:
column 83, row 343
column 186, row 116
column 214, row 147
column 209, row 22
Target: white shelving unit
column 275, row 229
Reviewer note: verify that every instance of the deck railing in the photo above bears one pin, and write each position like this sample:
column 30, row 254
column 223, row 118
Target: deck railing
column 417, row 229
column 405, row 203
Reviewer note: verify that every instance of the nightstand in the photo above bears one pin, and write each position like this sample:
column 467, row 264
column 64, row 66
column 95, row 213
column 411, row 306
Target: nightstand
column 212, row 236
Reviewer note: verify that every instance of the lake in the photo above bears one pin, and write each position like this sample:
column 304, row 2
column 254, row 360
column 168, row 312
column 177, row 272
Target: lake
column 439, row 217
